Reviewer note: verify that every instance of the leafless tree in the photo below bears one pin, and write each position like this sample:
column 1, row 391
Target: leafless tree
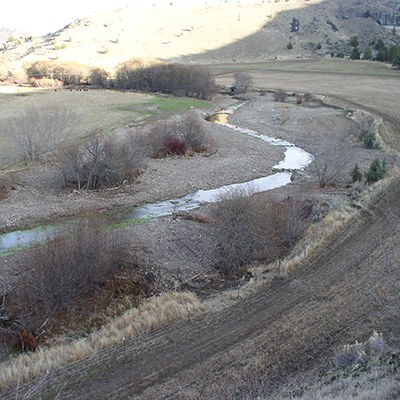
column 329, row 169
column 242, row 82
column 254, row 228
column 38, row 130
column 103, row 161
column 177, row 79
column 280, row 96
column 192, row 131
column 188, row 130
column 66, row 269
column 98, row 77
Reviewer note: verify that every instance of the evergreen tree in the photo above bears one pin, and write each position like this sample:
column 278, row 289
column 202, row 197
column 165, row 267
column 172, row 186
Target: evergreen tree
column 367, row 54
column 355, row 54
column 354, row 41
column 395, row 56
column 356, row 174
column 376, row 171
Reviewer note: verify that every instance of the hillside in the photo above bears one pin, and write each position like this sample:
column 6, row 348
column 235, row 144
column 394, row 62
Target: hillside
column 210, row 32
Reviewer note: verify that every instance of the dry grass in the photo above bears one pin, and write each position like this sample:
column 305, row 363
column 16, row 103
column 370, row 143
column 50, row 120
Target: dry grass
column 147, row 316
column 318, row 235
column 377, row 381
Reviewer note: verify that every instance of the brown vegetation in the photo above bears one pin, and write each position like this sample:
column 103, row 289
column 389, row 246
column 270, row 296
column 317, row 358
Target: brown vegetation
column 102, row 162
column 63, row 275
column 253, row 228
column 177, row 79
column 46, row 83
column 70, row 73
column 280, row 96
column 37, row 130
column 242, row 82
column 178, row 136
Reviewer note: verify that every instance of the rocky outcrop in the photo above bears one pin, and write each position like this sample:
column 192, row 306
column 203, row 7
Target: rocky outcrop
column 386, row 18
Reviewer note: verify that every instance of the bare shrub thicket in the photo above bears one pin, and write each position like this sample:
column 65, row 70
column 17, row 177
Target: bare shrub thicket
column 254, row 228
column 280, row 96
column 177, row 79
column 37, row 130
column 98, row 77
column 103, row 162
column 242, row 82
column 329, row 169
column 62, row 274
column 66, row 269
column 177, row 136
column 70, row 73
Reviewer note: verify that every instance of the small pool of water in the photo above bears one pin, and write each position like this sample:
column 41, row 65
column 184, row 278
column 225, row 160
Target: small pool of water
column 295, row 159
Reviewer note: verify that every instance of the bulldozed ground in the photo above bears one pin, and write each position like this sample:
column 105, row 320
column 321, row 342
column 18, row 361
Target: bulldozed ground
column 288, row 326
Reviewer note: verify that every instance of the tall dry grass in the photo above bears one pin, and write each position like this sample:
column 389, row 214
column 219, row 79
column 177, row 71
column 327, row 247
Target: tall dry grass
column 320, row 234
column 155, row 312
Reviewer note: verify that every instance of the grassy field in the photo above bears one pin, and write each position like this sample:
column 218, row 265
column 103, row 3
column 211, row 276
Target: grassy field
column 328, row 66
column 99, row 111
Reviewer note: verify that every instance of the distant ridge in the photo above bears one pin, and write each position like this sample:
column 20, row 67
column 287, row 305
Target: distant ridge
column 209, row 31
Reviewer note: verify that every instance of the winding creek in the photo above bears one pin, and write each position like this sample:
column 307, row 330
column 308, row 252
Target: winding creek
column 295, row 159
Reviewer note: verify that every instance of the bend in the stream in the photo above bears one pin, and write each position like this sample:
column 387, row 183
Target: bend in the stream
column 295, row 159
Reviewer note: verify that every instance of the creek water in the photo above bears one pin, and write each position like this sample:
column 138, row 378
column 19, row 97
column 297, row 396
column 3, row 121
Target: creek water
column 295, row 159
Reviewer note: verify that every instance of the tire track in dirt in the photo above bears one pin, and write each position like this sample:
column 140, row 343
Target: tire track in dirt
column 190, row 351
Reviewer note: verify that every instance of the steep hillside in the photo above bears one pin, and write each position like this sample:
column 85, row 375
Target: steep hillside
column 211, row 31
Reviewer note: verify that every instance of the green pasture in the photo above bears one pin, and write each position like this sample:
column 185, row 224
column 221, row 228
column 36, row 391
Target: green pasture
column 97, row 111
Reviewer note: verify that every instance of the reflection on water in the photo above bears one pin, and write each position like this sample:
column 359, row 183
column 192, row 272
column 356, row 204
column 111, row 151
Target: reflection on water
column 295, row 159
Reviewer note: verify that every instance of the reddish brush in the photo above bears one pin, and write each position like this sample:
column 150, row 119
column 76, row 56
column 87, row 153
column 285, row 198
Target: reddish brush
column 174, row 146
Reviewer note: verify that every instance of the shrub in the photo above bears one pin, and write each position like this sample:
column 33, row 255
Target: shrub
column 371, row 141
column 243, row 82
column 174, row 79
column 174, row 146
column 355, row 54
column 367, row 54
column 67, row 269
column 102, row 162
column 98, row 77
column 307, row 96
column 176, row 136
column 289, row 46
column 38, row 130
column 329, row 169
column 155, row 137
column 377, row 170
column 360, row 353
column 354, row 41
column 252, row 228
column 192, row 132
column 356, row 174
column 280, row 96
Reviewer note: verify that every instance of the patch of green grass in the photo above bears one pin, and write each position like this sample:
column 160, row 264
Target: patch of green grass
column 179, row 103
column 134, row 221
column 16, row 249
column 163, row 105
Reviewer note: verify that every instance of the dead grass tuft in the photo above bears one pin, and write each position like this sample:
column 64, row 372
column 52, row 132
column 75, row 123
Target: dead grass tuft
column 318, row 235
column 155, row 312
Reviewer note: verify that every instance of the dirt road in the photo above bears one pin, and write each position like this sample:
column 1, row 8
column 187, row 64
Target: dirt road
column 291, row 325
column 280, row 327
